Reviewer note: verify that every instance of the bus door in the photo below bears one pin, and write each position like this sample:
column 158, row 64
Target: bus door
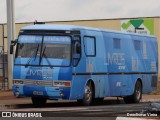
column 76, row 48
column 76, row 79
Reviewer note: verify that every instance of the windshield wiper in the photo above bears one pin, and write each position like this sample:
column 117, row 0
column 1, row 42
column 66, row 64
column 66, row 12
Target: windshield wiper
column 33, row 55
column 36, row 52
column 50, row 65
column 43, row 54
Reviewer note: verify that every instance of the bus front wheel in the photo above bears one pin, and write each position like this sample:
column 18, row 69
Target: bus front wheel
column 137, row 95
column 88, row 95
column 39, row 102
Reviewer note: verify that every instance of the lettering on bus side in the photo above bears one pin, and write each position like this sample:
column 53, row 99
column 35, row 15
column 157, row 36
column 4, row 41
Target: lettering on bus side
column 115, row 59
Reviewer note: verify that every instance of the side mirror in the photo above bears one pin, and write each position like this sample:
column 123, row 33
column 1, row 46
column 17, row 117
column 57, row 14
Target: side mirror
column 77, row 47
column 13, row 43
column 11, row 49
column 76, row 53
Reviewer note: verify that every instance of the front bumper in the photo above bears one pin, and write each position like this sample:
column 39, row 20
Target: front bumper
column 41, row 91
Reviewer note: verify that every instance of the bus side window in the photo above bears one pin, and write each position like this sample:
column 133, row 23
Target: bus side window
column 90, row 46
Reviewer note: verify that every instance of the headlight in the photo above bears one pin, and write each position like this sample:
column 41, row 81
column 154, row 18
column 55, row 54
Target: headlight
column 62, row 83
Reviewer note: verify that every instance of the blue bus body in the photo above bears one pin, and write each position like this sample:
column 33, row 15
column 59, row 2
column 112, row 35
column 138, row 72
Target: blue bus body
column 112, row 61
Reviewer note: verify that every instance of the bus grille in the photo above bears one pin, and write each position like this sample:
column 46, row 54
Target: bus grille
column 34, row 82
column 47, row 83
column 38, row 82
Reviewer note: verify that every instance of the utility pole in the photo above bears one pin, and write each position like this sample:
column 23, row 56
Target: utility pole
column 10, row 37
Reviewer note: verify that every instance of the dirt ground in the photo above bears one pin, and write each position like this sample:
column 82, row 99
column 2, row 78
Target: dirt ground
column 157, row 91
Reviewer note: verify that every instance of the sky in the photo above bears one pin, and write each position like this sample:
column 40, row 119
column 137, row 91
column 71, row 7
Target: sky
column 65, row 10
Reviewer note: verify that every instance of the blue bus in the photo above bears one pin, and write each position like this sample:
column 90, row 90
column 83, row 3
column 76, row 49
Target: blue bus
column 66, row 62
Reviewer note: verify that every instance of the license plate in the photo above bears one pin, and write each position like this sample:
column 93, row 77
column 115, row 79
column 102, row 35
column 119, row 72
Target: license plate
column 37, row 92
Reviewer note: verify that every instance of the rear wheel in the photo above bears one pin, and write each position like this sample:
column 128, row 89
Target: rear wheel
column 137, row 95
column 137, row 92
column 39, row 102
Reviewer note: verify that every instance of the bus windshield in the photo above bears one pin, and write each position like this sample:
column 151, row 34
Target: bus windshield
column 43, row 50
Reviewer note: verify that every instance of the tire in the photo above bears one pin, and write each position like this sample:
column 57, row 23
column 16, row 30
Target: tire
column 39, row 102
column 88, row 95
column 137, row 95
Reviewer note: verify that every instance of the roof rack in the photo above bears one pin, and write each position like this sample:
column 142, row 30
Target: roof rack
column 36, row 22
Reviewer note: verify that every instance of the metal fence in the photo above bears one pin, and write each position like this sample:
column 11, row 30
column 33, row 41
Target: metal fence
column 3, row 61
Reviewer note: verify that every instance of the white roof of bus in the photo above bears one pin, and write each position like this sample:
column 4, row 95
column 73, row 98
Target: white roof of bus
column 73, row 27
